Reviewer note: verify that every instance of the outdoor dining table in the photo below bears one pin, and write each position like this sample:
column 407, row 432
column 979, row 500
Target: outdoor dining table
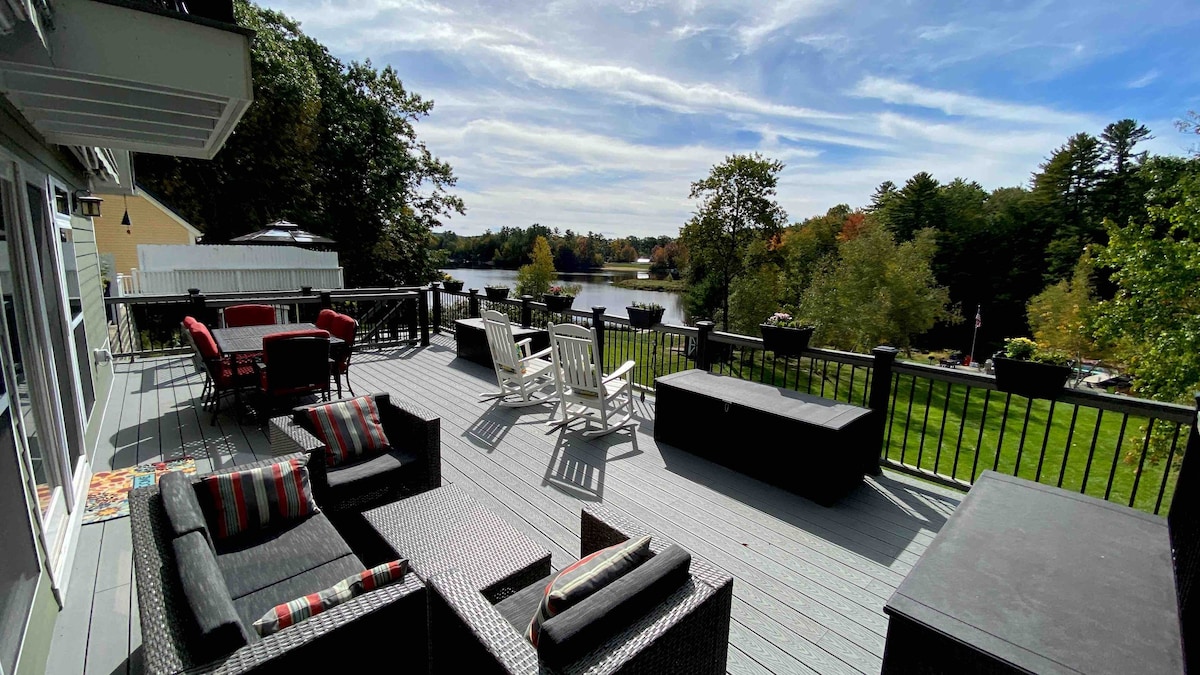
column 249, row 339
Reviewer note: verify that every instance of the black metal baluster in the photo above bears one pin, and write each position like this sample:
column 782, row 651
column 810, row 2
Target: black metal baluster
column 937, row 458
column 1112, row 472
column 912, row 392
column 1067, row 450
column 1137, row 477
column 987, row 399
column 1162, row 489
column 1087, row 468
column 1045, row 442
column 1003, row 424
column 1024, row 429
column 962, row 426
column 925, row 420
column 892, row 413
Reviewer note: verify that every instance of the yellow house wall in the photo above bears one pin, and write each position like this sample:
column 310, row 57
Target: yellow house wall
column 150, row 225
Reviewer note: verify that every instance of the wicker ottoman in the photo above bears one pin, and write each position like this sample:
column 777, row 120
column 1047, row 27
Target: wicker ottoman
column 445, row 529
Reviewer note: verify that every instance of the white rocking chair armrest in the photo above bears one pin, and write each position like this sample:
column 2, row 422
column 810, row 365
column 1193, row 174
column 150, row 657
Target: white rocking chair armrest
column 625, row 368
column 544, row 352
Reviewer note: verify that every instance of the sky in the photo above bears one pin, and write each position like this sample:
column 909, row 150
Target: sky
column 597, row 115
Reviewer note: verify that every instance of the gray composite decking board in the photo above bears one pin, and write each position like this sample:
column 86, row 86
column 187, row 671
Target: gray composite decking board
column 876, row 617
column 847, row 590
column 108, row 639
column 68, row 646
column 809, row 585
column 418, row 383
column 116, row 554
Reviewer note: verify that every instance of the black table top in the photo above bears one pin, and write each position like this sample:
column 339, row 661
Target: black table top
column 783, row 402
column 1050, row 581
column 517, row 329
column 246, row 339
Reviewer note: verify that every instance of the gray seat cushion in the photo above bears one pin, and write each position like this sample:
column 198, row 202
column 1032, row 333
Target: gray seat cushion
column 251, row 607
column 519, row 607
column 219, row 630
column 568, row 636
column 182, row 506
column 263, row 558
column 386, row 468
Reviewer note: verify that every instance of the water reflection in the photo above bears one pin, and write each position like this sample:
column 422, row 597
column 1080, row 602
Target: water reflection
column 597, row 289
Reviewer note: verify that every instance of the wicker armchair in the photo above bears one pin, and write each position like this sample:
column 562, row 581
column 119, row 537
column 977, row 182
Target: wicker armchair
column 687, row 633
column 168, row 640
column 411, row 429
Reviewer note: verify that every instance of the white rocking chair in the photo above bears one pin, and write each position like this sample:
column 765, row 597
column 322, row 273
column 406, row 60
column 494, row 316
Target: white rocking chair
column 584, row 392
column 520, row 375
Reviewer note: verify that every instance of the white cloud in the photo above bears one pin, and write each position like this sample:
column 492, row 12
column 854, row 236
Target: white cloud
column 961, row 105
column 1144, row 80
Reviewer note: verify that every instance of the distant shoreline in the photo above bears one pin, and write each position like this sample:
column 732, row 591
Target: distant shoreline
column 667, row 285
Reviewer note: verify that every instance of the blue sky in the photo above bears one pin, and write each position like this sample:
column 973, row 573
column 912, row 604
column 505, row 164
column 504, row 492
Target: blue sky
column 597, row 115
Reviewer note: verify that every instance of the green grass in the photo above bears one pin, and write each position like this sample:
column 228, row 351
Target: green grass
column 674, row 285
column 626, row 266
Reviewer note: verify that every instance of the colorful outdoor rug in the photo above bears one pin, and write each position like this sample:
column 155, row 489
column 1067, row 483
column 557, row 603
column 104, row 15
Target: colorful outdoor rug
column 108, row 493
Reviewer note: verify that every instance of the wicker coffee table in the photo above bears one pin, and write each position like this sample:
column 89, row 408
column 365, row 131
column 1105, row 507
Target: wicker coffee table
column 445, row 529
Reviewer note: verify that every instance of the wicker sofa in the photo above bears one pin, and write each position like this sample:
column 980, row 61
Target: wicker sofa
column 413, row 465
column 260, row 570
column 686, row 632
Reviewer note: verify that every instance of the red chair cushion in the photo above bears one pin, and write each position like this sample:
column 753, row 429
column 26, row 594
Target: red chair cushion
column 249, row 315
column 325, row 319
column 204, row 341
column 344, row 327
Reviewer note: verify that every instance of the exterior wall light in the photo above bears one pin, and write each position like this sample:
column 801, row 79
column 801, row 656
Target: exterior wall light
column 88, row 204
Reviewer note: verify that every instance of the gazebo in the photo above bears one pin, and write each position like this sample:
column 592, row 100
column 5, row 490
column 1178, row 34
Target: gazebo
column 285, row 233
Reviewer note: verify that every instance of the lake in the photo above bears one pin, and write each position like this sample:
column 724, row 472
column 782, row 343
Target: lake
column 597, row 290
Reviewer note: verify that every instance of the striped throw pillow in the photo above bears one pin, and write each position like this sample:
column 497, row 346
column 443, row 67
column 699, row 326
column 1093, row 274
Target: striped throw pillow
column 575, row 583
column 295, row 611
column 349, row 428
column 249, row 500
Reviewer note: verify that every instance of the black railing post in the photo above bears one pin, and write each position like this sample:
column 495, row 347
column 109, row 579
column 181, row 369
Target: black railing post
column 473, row 303
column 880, row 399
column 598, row 324
column 703, row 329
column 326, row 300
column 423, row 316
column 436, row 301
column 200, row 307
column 526, row 311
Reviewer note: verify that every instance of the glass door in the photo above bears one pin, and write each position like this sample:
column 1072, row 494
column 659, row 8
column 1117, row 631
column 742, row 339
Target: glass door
column 33, row 388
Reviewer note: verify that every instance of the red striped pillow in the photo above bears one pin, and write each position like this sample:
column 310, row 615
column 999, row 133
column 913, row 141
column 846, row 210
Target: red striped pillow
column 295, row 611
column 575, row 583
column 249, row 500
column 349, row 428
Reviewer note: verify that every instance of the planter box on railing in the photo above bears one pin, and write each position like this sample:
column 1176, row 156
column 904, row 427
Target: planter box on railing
column 558, row 303
column 785, row 341
column 1030, row 379
column 640, row 317
column 455, row 286
column 494, row 293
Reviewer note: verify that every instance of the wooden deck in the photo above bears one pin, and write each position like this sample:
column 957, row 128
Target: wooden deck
column 810, row 582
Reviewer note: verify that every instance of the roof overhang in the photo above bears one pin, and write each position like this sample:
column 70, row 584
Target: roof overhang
column 113, row 75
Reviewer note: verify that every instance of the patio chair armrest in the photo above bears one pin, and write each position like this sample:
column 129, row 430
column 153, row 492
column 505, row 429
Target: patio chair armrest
column 541, row 354
column 601, row 527
column 418, row 429
column 620, row 372
column 468, row 635
column 523, row 345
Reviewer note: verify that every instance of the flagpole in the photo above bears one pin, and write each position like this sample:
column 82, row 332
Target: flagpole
column 974, row 335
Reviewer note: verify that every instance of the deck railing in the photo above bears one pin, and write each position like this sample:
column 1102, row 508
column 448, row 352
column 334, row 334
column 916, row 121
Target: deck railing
column 945, row 425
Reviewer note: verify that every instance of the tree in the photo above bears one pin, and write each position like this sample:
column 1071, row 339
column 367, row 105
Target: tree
column 737, row 206
column 535, row 278
column 916, row 206
column 1060, row 317
column 1154, row 318
column 1119, row 189
column 1066, row 190
column 877, row 291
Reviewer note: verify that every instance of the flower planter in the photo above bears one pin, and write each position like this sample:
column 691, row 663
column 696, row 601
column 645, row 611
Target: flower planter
column 455, row 286
column 558, row 303
column 640, row 317
column 1030, row 379
column 785, row 341
column 496, row 293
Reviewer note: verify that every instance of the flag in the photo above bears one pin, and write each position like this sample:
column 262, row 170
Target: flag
column 978, row 317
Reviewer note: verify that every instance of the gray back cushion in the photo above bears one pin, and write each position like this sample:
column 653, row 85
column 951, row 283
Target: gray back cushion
column 219, row 632
column 572, row 634
column 182, row 506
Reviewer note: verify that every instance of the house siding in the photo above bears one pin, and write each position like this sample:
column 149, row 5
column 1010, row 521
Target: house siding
column 150, row 225
column 95, row 323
